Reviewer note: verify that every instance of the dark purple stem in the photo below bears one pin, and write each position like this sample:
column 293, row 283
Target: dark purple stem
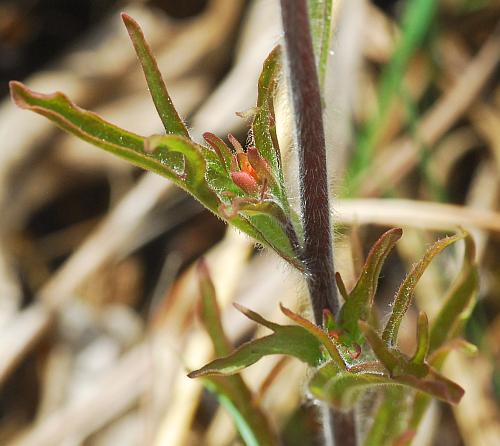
column 310, row 139
column 339, row 428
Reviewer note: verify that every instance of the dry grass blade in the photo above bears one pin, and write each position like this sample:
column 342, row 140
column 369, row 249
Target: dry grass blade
column 419, row 214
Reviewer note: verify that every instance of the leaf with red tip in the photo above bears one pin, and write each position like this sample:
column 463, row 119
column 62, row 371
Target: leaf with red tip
column 199, row 170
column 223, row 152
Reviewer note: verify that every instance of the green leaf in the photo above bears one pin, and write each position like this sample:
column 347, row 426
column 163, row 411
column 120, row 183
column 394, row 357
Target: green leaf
column 82, row 123
column 423, row 339
column 89, row 127
column 268, row 219
column 359, row 303
column 168, row 114
column 202, row 171
column 394, row 361
column 387, row 357
column 403, row 296
column 449, row 322
column 287, row 339
column 320, row 19
column 342, row 389
column 232, row 392
column 130, row 146
column 459, row 301
column 193, row 175
column 264, row 123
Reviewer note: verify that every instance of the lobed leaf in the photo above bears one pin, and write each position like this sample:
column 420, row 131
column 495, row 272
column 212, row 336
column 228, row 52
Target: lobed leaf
column 187, row 170
column 168, row 114
column 206, row 173
column 360, row 300
column 289, row 340
column 404, row 294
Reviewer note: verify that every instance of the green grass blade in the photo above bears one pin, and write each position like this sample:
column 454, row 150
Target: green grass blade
column 234, row 395
column 168, row 114
column 232, row 392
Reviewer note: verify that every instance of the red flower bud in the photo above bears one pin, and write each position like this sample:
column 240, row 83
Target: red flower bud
column 245, row 181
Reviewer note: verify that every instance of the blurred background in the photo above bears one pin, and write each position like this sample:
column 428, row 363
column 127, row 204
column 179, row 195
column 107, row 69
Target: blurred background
column 97, row 290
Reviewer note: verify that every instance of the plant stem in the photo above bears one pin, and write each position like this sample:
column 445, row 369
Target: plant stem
column 310, row 139
column 339, row 428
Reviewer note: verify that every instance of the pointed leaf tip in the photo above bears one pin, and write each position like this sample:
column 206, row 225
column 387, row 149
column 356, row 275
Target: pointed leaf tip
column 423, row 338
column 404, row 294
column 168, row 114
column 359, row 301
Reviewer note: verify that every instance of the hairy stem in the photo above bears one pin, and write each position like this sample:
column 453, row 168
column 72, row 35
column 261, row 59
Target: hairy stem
column 310, row 139
column 339, row 428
